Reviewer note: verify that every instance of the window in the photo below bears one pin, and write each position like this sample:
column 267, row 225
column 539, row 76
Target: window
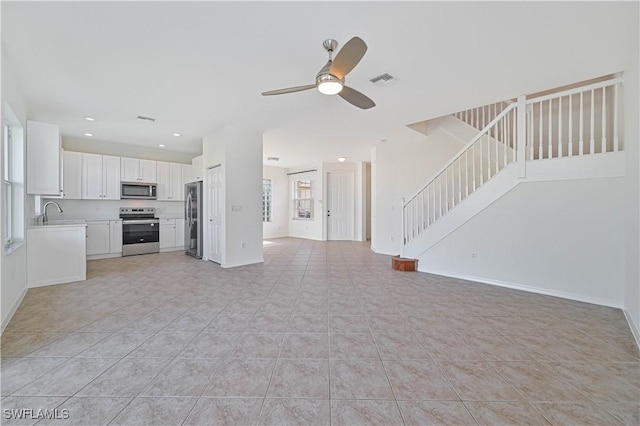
column 7, row 185
column 12, row 181
column 302, row 200
column 266, row 200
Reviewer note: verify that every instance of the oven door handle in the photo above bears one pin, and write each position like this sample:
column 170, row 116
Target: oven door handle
column 140, row 221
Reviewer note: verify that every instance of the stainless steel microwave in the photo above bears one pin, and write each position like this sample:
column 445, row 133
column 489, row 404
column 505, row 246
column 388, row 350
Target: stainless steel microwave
column 138, row 191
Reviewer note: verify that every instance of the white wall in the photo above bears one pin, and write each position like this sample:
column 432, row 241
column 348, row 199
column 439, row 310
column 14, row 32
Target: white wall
column 13, row 267
column 123, row 150
column 400, row 168
column 239, row 150
column 564, row 238
column 280, row 194
column 309, row 229
column 109, row 209
column 632, row 194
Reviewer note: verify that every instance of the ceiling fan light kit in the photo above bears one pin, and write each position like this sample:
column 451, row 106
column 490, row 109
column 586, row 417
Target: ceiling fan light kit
column 330, row 79
column 329, row 84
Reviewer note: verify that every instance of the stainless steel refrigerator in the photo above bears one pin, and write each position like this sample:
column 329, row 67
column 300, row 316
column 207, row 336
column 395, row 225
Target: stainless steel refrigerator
column 193, row 219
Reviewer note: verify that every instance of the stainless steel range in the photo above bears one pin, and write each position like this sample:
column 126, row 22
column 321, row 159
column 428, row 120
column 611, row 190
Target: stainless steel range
column 140, row 230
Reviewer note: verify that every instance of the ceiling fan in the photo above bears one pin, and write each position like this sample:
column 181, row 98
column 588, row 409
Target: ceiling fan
column 330, row 79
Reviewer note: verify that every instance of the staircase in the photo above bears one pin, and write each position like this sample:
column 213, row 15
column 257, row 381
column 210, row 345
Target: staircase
column 510, row 142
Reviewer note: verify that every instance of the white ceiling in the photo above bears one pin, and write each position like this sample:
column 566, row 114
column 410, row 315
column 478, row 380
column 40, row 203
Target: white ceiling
column 198, row 65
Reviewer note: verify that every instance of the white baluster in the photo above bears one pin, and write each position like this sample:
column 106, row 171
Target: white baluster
column 615, row 118
column 440, row 193
column 530, row 142
column 540, row 153
column 560, row 127
column 473, row 165
column 514, row 135
column 592, row 137
column 481, row 160
column 498, row 127
column 570, row 147
column 466, row 173
column 581, row 124
column 604, row 120
column 453, row 185
column 460, row 178
column 488, row 135
column 550, row 141
column 505, row 137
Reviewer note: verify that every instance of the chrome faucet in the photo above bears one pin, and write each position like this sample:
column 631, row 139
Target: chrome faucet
column 44, row 209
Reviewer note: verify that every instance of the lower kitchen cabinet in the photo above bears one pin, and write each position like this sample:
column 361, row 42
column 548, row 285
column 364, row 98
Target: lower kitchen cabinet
column 171, row 234
column 56, row 254
column 115, row 236
column 98, row 237
column 180, row 233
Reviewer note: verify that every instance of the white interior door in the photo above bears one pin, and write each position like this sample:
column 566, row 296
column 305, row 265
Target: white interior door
column 340, row 206
column 216, row 210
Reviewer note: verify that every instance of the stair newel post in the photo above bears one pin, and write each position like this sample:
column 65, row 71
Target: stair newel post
column 404, row 225
column 522, row 136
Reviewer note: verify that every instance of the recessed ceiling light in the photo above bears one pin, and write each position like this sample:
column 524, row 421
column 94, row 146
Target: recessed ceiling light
column 177, row 134
column 342, row 159
column 90, row 119
column 161, row 145
column 88, row 134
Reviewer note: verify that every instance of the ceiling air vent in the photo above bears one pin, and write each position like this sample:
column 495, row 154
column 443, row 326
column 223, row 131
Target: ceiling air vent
column 143, row 118
column 383, row 79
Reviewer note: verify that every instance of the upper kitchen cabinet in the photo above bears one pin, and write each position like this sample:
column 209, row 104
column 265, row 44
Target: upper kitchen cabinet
column 197, row 169
column 100, row 177
column 72, row 175
column 170, row 185
column 43, row 159
column 137, row 170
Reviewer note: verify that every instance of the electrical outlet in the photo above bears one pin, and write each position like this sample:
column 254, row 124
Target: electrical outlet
column 242, row 244
column 474, row 256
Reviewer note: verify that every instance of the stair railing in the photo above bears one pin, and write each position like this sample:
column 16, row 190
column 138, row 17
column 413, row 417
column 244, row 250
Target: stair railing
column 579, row 121
column 480, row 117
column 491, row 150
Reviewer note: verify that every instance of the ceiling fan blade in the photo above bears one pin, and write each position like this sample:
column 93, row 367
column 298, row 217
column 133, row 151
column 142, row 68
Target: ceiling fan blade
column 348, row 57
column 356, row 98
column 289, row 90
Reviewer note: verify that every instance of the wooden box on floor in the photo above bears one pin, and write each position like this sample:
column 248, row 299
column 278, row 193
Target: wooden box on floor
column 401, row 264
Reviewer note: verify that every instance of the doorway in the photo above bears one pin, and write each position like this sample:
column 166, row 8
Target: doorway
column 340, row 205
column 215, row 186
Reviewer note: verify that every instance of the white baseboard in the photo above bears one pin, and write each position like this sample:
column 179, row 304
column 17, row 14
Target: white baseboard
column 13, row 310
column 632, row 326
column 529, row 289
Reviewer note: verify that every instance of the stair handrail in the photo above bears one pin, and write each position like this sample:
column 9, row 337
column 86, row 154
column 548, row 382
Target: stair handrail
column 576, row 90
column 453, row 159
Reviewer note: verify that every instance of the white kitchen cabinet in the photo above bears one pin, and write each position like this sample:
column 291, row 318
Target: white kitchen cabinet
column 137, row 170
column 72, row 175
column 111, row 177
column 167, row 233
column 198, row 172
column 56, row 254
column 98, row 237
column 179, row 232
column 100, row 177
column 44, row 159
column 115, row 236
column 187, row 174
column 170, row 187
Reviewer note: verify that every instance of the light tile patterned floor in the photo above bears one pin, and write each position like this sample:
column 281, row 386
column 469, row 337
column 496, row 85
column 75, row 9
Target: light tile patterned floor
column 321, row 333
